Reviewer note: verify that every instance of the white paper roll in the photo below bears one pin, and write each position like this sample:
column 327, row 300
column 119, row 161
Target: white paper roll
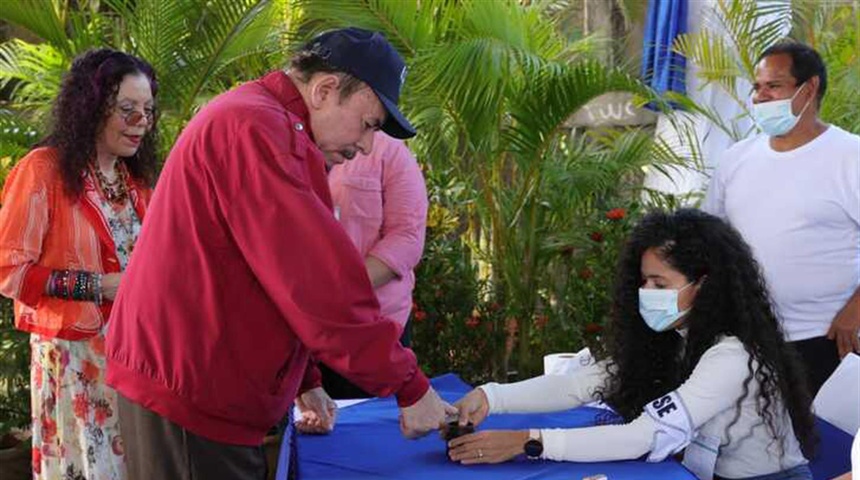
column 565, row 363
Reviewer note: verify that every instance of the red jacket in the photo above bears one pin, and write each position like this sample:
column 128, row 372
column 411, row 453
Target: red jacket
column 241, row 274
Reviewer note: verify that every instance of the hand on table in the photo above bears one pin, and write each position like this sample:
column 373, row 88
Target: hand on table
column 318, row 412
column 489, row 446
column 425, row 415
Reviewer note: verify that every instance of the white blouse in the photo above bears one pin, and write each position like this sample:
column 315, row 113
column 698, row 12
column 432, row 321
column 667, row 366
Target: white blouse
column 710, row 395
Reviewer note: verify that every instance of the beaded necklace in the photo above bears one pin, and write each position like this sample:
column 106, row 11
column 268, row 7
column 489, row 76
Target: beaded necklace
column 115, row 191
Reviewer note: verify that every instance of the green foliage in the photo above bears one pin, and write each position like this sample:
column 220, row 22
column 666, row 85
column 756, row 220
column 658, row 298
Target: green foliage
column 452, row 327
column 578, row 297
column 32, row 72
column 197, row 47
column 14, row 372
column 833, row 28
column 16, row 136
column 737, row 31
column 491, row 86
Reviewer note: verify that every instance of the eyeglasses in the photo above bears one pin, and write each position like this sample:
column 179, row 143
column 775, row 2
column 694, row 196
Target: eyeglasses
column 132, row 116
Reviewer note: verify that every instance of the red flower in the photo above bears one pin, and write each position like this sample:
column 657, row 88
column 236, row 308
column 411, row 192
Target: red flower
column 37, row 461
column 420, row 316
column 616, row 214
column 593, row 328
column 541, row 321
column 102, row 413
column 82, row 406
column 586, row 273
column 49, row 429
column 596, row 236
column 473, row 321
column 89, row 372
column 494, row 307
column 414, row 306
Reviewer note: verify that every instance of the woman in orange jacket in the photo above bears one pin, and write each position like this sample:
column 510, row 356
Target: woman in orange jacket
column 71, row 212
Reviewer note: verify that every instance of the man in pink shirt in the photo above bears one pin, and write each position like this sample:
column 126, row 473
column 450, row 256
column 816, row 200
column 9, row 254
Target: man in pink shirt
column 242, row 277
column 381, row 202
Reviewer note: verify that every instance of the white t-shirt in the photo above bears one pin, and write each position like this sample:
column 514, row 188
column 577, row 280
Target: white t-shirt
column 709, row 396
column 800, row 213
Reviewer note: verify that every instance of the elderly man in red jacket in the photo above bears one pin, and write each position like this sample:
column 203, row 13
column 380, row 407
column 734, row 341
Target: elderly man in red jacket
column 242, row 278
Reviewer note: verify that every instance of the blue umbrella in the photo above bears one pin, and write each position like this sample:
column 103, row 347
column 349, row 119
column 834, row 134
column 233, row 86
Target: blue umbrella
column 662, row 69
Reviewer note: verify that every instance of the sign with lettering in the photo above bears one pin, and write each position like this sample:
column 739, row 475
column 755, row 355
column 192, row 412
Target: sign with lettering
column 612, row 109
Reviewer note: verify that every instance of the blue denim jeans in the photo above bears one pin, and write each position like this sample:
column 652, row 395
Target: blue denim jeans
column 800, row 472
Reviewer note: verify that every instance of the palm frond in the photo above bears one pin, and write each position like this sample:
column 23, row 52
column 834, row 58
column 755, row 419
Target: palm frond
column 192, row 41
column 714, row 57
column 157, row 31
column 410, row 25
column 44, row 18
column 33, row 72
column 549, row 99
column 735, row 32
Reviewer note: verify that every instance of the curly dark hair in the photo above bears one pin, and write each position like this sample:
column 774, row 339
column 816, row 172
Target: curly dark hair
column 86, row 99
column 732, row 300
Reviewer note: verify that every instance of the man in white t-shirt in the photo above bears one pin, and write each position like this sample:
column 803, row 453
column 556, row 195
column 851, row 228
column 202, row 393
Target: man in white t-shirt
column 793, row 192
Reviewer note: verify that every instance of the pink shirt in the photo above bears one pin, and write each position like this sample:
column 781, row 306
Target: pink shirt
column 381, row 200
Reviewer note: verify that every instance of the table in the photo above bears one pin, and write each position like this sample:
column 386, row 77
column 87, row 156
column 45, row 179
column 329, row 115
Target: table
column 366, row 444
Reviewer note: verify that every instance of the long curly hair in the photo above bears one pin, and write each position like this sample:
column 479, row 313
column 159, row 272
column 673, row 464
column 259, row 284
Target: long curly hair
column 86, row 100
column 732, row 300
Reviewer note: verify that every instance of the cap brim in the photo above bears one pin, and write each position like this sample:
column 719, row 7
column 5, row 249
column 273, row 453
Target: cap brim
column 396, row 124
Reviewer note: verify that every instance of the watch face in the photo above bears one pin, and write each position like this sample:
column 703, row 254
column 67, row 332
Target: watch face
column 533, row 448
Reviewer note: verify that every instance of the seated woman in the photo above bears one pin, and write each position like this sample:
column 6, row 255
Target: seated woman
column 697, row 363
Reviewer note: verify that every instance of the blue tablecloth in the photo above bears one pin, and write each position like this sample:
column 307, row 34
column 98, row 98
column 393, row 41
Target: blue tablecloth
column 833, row 455
column 366, row 444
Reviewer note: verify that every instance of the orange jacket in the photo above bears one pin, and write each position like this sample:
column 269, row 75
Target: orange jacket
column 41, row 230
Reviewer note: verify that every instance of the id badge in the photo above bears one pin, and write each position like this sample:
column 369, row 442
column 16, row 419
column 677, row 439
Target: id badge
column 700, row 456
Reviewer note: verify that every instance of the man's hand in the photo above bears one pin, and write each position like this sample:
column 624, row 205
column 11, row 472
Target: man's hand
column 488, row 446
column 318, row 412
column 473, row 408
column 845, row 326
column 424, row 415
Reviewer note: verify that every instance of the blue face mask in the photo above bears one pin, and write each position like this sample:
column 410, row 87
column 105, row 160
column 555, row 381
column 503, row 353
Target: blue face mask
column 659, row 308
column 775, row 117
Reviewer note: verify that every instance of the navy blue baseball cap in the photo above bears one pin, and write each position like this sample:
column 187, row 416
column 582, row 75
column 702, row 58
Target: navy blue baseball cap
column 367, row 56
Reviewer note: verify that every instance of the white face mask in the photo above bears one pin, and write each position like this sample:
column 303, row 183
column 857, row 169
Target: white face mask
column 775, row 117
column 659, row 307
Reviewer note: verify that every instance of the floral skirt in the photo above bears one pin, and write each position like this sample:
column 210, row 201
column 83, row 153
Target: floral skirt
column 75, row 419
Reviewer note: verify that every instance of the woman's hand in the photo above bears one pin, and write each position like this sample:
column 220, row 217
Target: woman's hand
column 474, row 407
column 491, row 446
column 110, row 284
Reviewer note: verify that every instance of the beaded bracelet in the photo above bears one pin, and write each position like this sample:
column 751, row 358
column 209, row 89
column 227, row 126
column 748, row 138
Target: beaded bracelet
column 58, row 283
column 76, row 285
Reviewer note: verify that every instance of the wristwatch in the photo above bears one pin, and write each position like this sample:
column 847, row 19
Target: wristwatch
column 533, row 447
